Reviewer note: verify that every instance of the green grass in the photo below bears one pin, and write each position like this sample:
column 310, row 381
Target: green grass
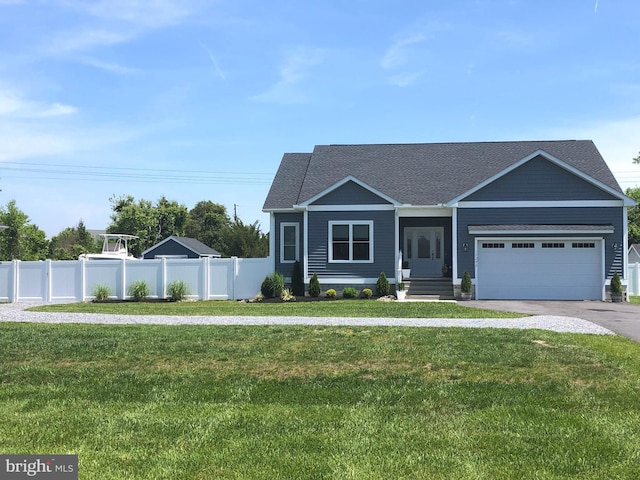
column 634, row 300
column 203, row 402
column 338, row 308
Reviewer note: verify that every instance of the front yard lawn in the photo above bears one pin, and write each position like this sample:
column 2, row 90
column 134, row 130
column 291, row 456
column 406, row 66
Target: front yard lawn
column 335, row 308
column 273, row 402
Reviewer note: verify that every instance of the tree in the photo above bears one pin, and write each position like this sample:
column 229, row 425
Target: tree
column 634, row 216
column 150, row 223
column 21, row 240
column 209, row 223
column 637, row 159
column 246, row 241
column 70, row 243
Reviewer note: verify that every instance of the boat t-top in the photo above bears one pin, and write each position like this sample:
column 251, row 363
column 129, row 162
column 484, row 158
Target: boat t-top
column 114, row 247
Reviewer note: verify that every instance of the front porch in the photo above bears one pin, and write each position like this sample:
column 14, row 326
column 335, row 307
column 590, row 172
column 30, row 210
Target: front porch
column 429, row 289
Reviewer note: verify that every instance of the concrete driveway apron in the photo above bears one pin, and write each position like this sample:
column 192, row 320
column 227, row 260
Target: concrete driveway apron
column 622, row 318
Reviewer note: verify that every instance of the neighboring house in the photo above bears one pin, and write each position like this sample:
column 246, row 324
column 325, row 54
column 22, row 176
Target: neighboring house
column 634, row 253
column 179, row 247
column 528, row 220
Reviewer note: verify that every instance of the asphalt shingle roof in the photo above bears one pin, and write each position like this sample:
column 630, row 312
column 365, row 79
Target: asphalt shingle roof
column 420, row 174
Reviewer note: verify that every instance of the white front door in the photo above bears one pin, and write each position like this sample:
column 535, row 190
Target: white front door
column 424, row 250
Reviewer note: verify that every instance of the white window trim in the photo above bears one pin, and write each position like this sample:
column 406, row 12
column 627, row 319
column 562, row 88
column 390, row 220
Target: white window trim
column 350, row 223
column 296, row 225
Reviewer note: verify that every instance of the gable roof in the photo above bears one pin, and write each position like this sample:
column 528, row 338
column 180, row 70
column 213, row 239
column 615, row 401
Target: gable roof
column 196, row 246
column 422, row 173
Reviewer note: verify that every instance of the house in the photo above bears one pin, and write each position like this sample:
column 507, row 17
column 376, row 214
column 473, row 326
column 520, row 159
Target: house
column 179, row 247
column 527, row 220
column 634, row 253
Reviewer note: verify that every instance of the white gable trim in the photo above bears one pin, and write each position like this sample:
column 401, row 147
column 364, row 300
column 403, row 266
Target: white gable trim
column 349, row 178
column 627, row 202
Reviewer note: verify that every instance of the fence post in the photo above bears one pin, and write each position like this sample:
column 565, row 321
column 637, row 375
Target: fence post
column 234, row 266
column 47, row 281
column 123, row 273
column 83, row 279
column 16, row 280
column 163, row 276
column 206, row 270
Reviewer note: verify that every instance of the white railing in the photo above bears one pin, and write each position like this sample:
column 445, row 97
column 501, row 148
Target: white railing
column 76, row 280
column 633, row 279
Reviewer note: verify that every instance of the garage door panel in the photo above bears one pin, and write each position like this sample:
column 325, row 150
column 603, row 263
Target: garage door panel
column 558, row 271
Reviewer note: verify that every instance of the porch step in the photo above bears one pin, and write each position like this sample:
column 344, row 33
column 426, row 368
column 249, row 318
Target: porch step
column 429, row 288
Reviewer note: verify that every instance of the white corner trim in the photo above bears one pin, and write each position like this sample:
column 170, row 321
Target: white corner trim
column 349, row 178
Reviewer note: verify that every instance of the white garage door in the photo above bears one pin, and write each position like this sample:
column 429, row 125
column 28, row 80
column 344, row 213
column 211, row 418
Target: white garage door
column 540, row 269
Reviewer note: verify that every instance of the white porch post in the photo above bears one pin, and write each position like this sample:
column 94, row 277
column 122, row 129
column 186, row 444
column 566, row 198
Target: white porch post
column 454, row 244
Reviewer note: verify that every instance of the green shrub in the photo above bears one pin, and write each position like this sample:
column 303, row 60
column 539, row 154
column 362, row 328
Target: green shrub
column 278, row 283
column 177, row 291
column 101, row 293
column 297, row 281
column 367, row 293
column 465, row 286
column 331, row 293
column 139, row 290
column 272, row 286
column 382, row 285
column 287, row 296
column 314, row 286
column 616, row 284
column 267, row 287
column 349, row 292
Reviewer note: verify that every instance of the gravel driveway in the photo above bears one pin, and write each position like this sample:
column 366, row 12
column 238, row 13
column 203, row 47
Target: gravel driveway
column 12, row 312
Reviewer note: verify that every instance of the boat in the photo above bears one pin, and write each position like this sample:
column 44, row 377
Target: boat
column 114, row 247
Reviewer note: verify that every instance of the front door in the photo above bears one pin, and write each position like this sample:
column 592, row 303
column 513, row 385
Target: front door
column 424, row 250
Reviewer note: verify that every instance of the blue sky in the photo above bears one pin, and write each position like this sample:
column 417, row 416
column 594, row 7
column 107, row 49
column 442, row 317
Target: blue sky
column 198, row 99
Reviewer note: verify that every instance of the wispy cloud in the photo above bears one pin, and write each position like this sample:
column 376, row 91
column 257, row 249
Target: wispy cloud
column 295, row 68
column 84, row 40
column 13, row 105
column 398, row 53
column 216, row 68
column 405, row 79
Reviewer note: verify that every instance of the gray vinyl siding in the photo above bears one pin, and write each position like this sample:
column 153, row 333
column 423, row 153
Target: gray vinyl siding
column 383, row 238
column 350, row 194
column 285, row 268
column 539, row 179
column 170, row 248
column 541, row 216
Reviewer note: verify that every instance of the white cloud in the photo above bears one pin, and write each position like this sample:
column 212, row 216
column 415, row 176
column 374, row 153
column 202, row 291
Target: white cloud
column 296, row 68
column 398, row 54
column 14, row 106
column 405, row 79
column 85, row 40
column 109, row 67
column 618, row 142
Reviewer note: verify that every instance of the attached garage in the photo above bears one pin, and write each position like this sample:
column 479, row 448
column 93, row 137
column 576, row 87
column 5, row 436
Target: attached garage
column 513, row 268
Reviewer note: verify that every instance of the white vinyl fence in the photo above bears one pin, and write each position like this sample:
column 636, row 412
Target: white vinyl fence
column 633, row 279
column 76, row 280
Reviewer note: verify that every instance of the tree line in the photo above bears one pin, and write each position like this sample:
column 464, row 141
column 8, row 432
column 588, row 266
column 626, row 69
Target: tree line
column 150, row 221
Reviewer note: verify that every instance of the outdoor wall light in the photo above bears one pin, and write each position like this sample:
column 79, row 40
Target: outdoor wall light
column 614, row 246
column 465, row 246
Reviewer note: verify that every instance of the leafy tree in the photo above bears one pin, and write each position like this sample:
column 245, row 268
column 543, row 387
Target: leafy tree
column 246, row 241
column 634, row 216
column 150, row 222
column 637, row 159
column 209, row 223
column 72, row 242
column 21, row 240
column 297, row 280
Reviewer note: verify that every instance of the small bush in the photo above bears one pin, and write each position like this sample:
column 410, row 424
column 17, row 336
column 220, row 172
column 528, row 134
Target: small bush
column 314, row 286
column 139, row 290
column 101, row 293
column 382, row 285
column 465, row 285
column 287, row 296
column 616, row 284
column 367, row 293
column 267, row 287
column 177, row 291
column 331, row 293
column 278, row 283
column 349, row 292
column 297, row 282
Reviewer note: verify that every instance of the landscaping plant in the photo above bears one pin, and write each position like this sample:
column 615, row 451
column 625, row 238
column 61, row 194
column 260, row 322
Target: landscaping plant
column 139, row 290
column 297, row 281
column 382, row 285
column 101, row 293
column 177, row 291
column 314, row 286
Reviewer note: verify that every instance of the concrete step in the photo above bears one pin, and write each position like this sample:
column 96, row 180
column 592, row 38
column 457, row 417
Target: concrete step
column 429, row 289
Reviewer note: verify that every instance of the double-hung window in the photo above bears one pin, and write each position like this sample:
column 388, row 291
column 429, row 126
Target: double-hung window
column 351, row 241
column 289, row 237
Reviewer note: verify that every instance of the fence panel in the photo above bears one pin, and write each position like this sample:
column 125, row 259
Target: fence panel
column 103, row 272
column 66, row 281
column 249, row 276
column 190, row 271
column 633, row 277
column 149, row 271
column 32, row 281
column 221, row 279
column 6, row 281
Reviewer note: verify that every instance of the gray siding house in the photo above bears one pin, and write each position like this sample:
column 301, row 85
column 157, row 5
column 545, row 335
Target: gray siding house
column 179, row 247
column 527, row 220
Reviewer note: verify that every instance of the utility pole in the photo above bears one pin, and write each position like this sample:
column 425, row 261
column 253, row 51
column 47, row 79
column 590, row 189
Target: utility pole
column 235, row 213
